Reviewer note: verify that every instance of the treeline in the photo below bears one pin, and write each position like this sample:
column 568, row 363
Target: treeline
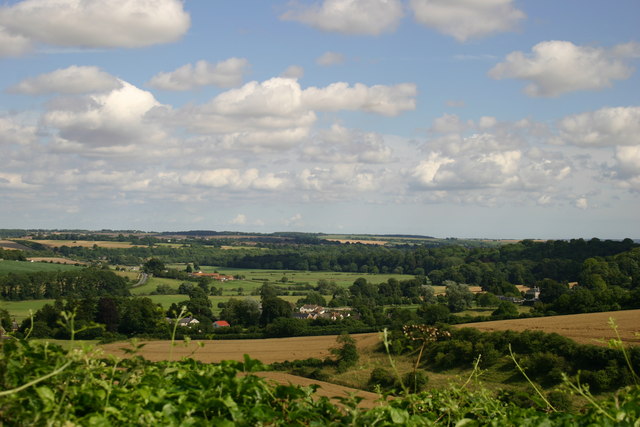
column 82, row 283
column 526, row 262
column 545, row 357
column 12, row 254
column 99, row 317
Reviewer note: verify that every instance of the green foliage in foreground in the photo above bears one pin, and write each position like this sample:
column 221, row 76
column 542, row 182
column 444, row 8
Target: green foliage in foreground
column 42, row 384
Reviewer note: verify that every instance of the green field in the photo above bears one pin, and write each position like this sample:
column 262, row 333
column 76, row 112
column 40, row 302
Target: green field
column 486, row 311
column 167, row 300
column 253, row 279
column 7, row 266
column 20, row 309
column 311, row 277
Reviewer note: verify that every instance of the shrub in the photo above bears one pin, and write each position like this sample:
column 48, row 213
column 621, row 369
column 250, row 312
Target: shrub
column 347, row 352
column 382, row 378
column 560, row 400
column 415, row 381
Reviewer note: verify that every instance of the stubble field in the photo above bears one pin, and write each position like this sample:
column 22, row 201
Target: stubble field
column 589, row 328
column 266, row 350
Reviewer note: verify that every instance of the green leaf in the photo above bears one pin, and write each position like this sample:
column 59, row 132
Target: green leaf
column 398, row 416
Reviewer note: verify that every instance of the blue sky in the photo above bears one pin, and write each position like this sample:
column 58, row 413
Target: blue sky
column 451, row 118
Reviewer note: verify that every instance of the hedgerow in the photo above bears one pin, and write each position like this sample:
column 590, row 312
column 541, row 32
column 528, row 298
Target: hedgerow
column 44, row 384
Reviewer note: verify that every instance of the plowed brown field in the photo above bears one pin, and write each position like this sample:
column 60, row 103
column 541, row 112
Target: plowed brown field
column 589, row 328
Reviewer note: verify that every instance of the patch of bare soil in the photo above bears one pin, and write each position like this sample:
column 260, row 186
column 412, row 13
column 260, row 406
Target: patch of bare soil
column 589, row 328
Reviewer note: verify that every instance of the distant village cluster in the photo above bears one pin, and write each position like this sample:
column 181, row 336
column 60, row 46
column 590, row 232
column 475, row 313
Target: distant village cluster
column 306, row 312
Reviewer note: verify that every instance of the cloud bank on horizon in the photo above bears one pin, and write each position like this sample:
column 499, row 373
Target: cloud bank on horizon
column 467, row 118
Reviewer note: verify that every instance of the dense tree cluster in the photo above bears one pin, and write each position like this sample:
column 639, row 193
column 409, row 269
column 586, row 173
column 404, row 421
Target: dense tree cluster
column 81, row 283
column 99, row 315
column 12, row 254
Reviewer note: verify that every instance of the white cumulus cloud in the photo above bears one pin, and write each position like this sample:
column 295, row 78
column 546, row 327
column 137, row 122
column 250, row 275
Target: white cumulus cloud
column 380, row 99
column 278, row 113
column 13, row 44
column 293, row 72
column 497, row 156
column 341, row 145
column 240, row 219
column 71, row 80
column 467, row 19
column 557, row 67
column 609, row 126
column 106, row 123
column 97, row 23
column 13, row 132
column 224, row 74
column 330, row 58
column 365, row 17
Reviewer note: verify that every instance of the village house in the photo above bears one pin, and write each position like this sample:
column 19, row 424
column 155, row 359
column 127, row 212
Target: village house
column 311, row 308
column 221, row 324
column 214, row 276
column 188, row 321
column 532, row 294
column 310, row 311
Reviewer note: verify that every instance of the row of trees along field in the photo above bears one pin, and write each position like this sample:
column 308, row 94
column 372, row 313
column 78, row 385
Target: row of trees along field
column 525, row 262
column 605, row 282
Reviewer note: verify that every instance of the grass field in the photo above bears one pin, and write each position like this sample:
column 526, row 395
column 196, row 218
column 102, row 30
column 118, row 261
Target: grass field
column 167, row 300
column 7, row 266
column 20, row 309
column 312, row 277
column 590, row 328
column 253, row 279
column 486, row 311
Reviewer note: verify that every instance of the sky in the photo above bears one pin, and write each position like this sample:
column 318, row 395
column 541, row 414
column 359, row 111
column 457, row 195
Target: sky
column 449, row 118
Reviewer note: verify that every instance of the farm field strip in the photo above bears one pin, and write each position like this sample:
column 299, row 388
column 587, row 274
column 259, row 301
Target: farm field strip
column 589, row 328
column 87, row 243
column 266, row 350
column 20, row 309
column 8, row 266
column 9, row 244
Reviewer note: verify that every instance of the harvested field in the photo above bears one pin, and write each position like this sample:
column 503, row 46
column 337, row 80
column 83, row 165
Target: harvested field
column 86, row 243
column 589, row 328
column 369, row 399
column 266, row 350
column 364, row 242
column 57, row 260
column 8, row 244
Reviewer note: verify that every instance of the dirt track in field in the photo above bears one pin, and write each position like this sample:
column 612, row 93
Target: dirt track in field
column 369, row 399
column 589, row 328
column 266, row 350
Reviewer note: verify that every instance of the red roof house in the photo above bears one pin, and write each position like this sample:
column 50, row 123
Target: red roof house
column 221, row 324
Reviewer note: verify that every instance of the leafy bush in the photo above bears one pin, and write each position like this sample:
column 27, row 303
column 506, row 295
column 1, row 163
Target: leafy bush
column 415, row 381
column 42, row 384
column 346, row 353
column 381, row 378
